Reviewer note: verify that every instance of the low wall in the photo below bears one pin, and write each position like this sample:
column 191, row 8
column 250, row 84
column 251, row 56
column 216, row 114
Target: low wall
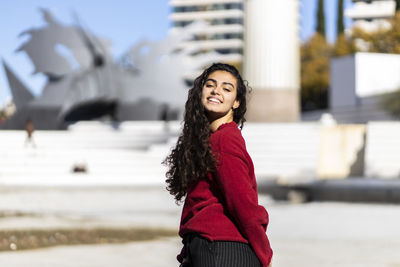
column 341, row 152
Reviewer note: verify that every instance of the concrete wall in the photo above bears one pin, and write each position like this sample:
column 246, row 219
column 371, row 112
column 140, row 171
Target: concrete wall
column 273, row 106
column 362, row 75
column 382, row 159
column 343, row 82
column 377, row 73
column 341, row 152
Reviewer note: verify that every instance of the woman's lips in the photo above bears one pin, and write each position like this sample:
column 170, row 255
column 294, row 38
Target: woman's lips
column 214, row 100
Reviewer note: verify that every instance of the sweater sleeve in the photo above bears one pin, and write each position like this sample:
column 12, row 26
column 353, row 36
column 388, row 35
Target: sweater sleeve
column 240, row 196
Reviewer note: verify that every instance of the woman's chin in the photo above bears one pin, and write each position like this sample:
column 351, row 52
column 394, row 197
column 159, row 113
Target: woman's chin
column 215, row 115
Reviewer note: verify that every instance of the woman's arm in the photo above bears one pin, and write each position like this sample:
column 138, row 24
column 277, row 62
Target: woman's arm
column 241, row 199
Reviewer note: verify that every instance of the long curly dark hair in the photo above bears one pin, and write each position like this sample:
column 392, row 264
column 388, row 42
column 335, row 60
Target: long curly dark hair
column 192, row 157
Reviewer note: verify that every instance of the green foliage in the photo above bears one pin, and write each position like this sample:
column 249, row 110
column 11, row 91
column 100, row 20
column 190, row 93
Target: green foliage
column 340, row 21
column 321, row 18
column 315, row 56
column 343, row 46
column 383, row 40
column 391, row 103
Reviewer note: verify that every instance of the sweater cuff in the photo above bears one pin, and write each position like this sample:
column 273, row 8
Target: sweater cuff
column 181, row 255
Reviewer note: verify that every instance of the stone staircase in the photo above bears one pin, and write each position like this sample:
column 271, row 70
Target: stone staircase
column 287, row 151
column 132, row 153
column 111, row 156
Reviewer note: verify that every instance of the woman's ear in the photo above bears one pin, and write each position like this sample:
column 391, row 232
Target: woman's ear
column 236, row 104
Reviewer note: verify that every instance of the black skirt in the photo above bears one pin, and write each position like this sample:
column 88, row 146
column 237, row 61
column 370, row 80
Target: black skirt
column 200, row 252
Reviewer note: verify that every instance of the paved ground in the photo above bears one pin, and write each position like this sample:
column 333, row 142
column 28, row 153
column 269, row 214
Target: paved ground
column 303, row 235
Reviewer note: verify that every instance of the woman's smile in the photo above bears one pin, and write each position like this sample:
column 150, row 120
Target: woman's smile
column 214, row 100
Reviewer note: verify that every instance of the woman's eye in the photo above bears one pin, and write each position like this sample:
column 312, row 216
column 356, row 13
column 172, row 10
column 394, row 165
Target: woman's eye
column 227, row 90
column 209, row 85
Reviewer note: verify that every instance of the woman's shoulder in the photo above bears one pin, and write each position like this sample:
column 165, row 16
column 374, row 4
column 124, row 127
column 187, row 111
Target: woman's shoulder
column 229, row 138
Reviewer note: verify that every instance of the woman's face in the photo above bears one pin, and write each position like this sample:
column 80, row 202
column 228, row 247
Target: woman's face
column 219, row 95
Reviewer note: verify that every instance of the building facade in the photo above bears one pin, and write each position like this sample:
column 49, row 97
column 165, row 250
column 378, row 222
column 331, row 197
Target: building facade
column 371, row 15
column 223, row 30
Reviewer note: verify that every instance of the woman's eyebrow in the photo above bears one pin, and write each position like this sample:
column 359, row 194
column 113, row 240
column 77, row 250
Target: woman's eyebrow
column 211, row 80
column 224, row 83
column 228, row 84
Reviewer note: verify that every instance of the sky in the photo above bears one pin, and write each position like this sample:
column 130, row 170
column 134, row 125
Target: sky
column 122, row 22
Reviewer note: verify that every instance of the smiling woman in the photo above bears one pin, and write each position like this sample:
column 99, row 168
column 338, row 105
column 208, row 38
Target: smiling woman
column 222, row 223
column 219, row 98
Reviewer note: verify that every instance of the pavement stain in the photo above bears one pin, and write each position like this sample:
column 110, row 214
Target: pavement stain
column 12, row 213
column 12, row 240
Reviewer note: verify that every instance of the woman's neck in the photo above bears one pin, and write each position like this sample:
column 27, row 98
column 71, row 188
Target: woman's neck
column 218, row 122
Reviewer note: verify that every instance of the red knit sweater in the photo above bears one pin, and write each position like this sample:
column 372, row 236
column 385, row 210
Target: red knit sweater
column 224, row 205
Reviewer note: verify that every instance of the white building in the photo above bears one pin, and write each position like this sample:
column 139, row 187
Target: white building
column 371, row 15
column 223, row 32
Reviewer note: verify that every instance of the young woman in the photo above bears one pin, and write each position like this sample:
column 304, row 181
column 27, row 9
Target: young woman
column 222, row 223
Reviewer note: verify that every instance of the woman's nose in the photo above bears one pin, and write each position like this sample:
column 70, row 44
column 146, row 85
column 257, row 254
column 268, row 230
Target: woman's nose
column 215, row 90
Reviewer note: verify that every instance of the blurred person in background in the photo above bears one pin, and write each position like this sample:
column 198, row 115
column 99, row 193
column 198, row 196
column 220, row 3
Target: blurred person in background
column 29, row 128
column 222, row 223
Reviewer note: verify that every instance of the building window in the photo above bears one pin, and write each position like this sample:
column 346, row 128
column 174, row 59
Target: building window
column 233, row 21
column 226, row 51
column 227, row 21
column 227, row 36
column 181, row 23
column 227, row 6
column 234, row 6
